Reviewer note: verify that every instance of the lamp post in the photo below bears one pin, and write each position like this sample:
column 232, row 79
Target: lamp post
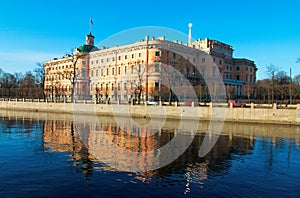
column 291, row 94
column 97, row 90
column 200, row 92
column 147, row 62
column 1, row 91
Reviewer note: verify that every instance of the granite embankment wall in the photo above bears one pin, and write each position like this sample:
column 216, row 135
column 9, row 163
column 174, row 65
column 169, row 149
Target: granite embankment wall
column 255, row 115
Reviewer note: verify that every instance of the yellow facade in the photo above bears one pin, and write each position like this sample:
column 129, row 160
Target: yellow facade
column 56, row 79
column 69, row 74
column 148, row 69
column 118, row 72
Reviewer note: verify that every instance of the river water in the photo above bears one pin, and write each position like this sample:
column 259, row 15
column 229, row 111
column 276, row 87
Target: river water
column 52, row 155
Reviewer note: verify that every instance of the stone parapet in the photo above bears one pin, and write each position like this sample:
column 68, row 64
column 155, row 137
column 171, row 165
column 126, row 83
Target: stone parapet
column 255, row 115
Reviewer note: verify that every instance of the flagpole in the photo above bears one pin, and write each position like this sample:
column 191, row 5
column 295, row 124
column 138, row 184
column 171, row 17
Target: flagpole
column 91, row 24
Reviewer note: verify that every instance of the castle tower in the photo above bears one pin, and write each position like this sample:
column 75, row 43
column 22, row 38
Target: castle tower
column 90, row 38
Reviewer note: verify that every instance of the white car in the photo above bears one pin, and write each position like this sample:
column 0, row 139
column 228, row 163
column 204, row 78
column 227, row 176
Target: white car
column 151, row 102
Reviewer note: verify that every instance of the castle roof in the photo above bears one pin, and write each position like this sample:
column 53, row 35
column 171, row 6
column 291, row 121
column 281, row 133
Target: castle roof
column 87, row 48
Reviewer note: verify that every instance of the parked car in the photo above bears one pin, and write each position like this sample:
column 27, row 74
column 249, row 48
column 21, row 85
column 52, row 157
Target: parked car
column 189, row 103
column 152, row 102
column 236, row 103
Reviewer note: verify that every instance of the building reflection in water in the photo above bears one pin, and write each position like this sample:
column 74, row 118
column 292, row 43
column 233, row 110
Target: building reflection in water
column 89, row 145
column 60, row 136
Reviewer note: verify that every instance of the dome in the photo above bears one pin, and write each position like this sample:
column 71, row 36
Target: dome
column 87, row 48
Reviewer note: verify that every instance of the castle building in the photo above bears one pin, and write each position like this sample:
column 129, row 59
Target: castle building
column 149, row 69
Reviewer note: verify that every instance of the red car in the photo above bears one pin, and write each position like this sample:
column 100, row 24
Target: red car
column 189, row 103
column 236, row 103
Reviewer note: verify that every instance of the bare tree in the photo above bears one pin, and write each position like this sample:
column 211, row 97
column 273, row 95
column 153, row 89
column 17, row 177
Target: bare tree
column 141, row 71
column 297, row 79
column 169, row 76
column 282, row 78
column 249, row 91
column 28, row 85
column 1, row 81
column 263, row 89
column 8, row 82
column 72, row 73
column 230, row 92
column 282, row 92
column 1, row 73
column 40, row 73
column 19, row 77
column 271, row 71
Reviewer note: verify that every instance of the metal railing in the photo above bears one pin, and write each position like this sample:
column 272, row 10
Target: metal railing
column 175, row 104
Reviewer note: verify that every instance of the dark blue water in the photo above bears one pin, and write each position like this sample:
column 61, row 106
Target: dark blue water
column 49, row 158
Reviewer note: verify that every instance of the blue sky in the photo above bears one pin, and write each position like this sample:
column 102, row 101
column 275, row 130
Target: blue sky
column 267, row 32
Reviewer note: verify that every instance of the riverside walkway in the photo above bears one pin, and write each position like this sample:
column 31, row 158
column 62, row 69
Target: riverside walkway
column 252, row 113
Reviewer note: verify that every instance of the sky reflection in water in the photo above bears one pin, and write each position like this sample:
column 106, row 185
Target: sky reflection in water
column 51, row 157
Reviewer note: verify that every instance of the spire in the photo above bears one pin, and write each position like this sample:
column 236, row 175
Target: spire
column 91, row 25
column 190, row 34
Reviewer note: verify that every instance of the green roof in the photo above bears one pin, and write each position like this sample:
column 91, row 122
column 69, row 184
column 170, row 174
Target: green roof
column 87, row 48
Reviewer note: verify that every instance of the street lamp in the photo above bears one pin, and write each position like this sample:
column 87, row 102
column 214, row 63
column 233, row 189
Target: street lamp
column 291, row 83
column 97, row 90
column 1, row 90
